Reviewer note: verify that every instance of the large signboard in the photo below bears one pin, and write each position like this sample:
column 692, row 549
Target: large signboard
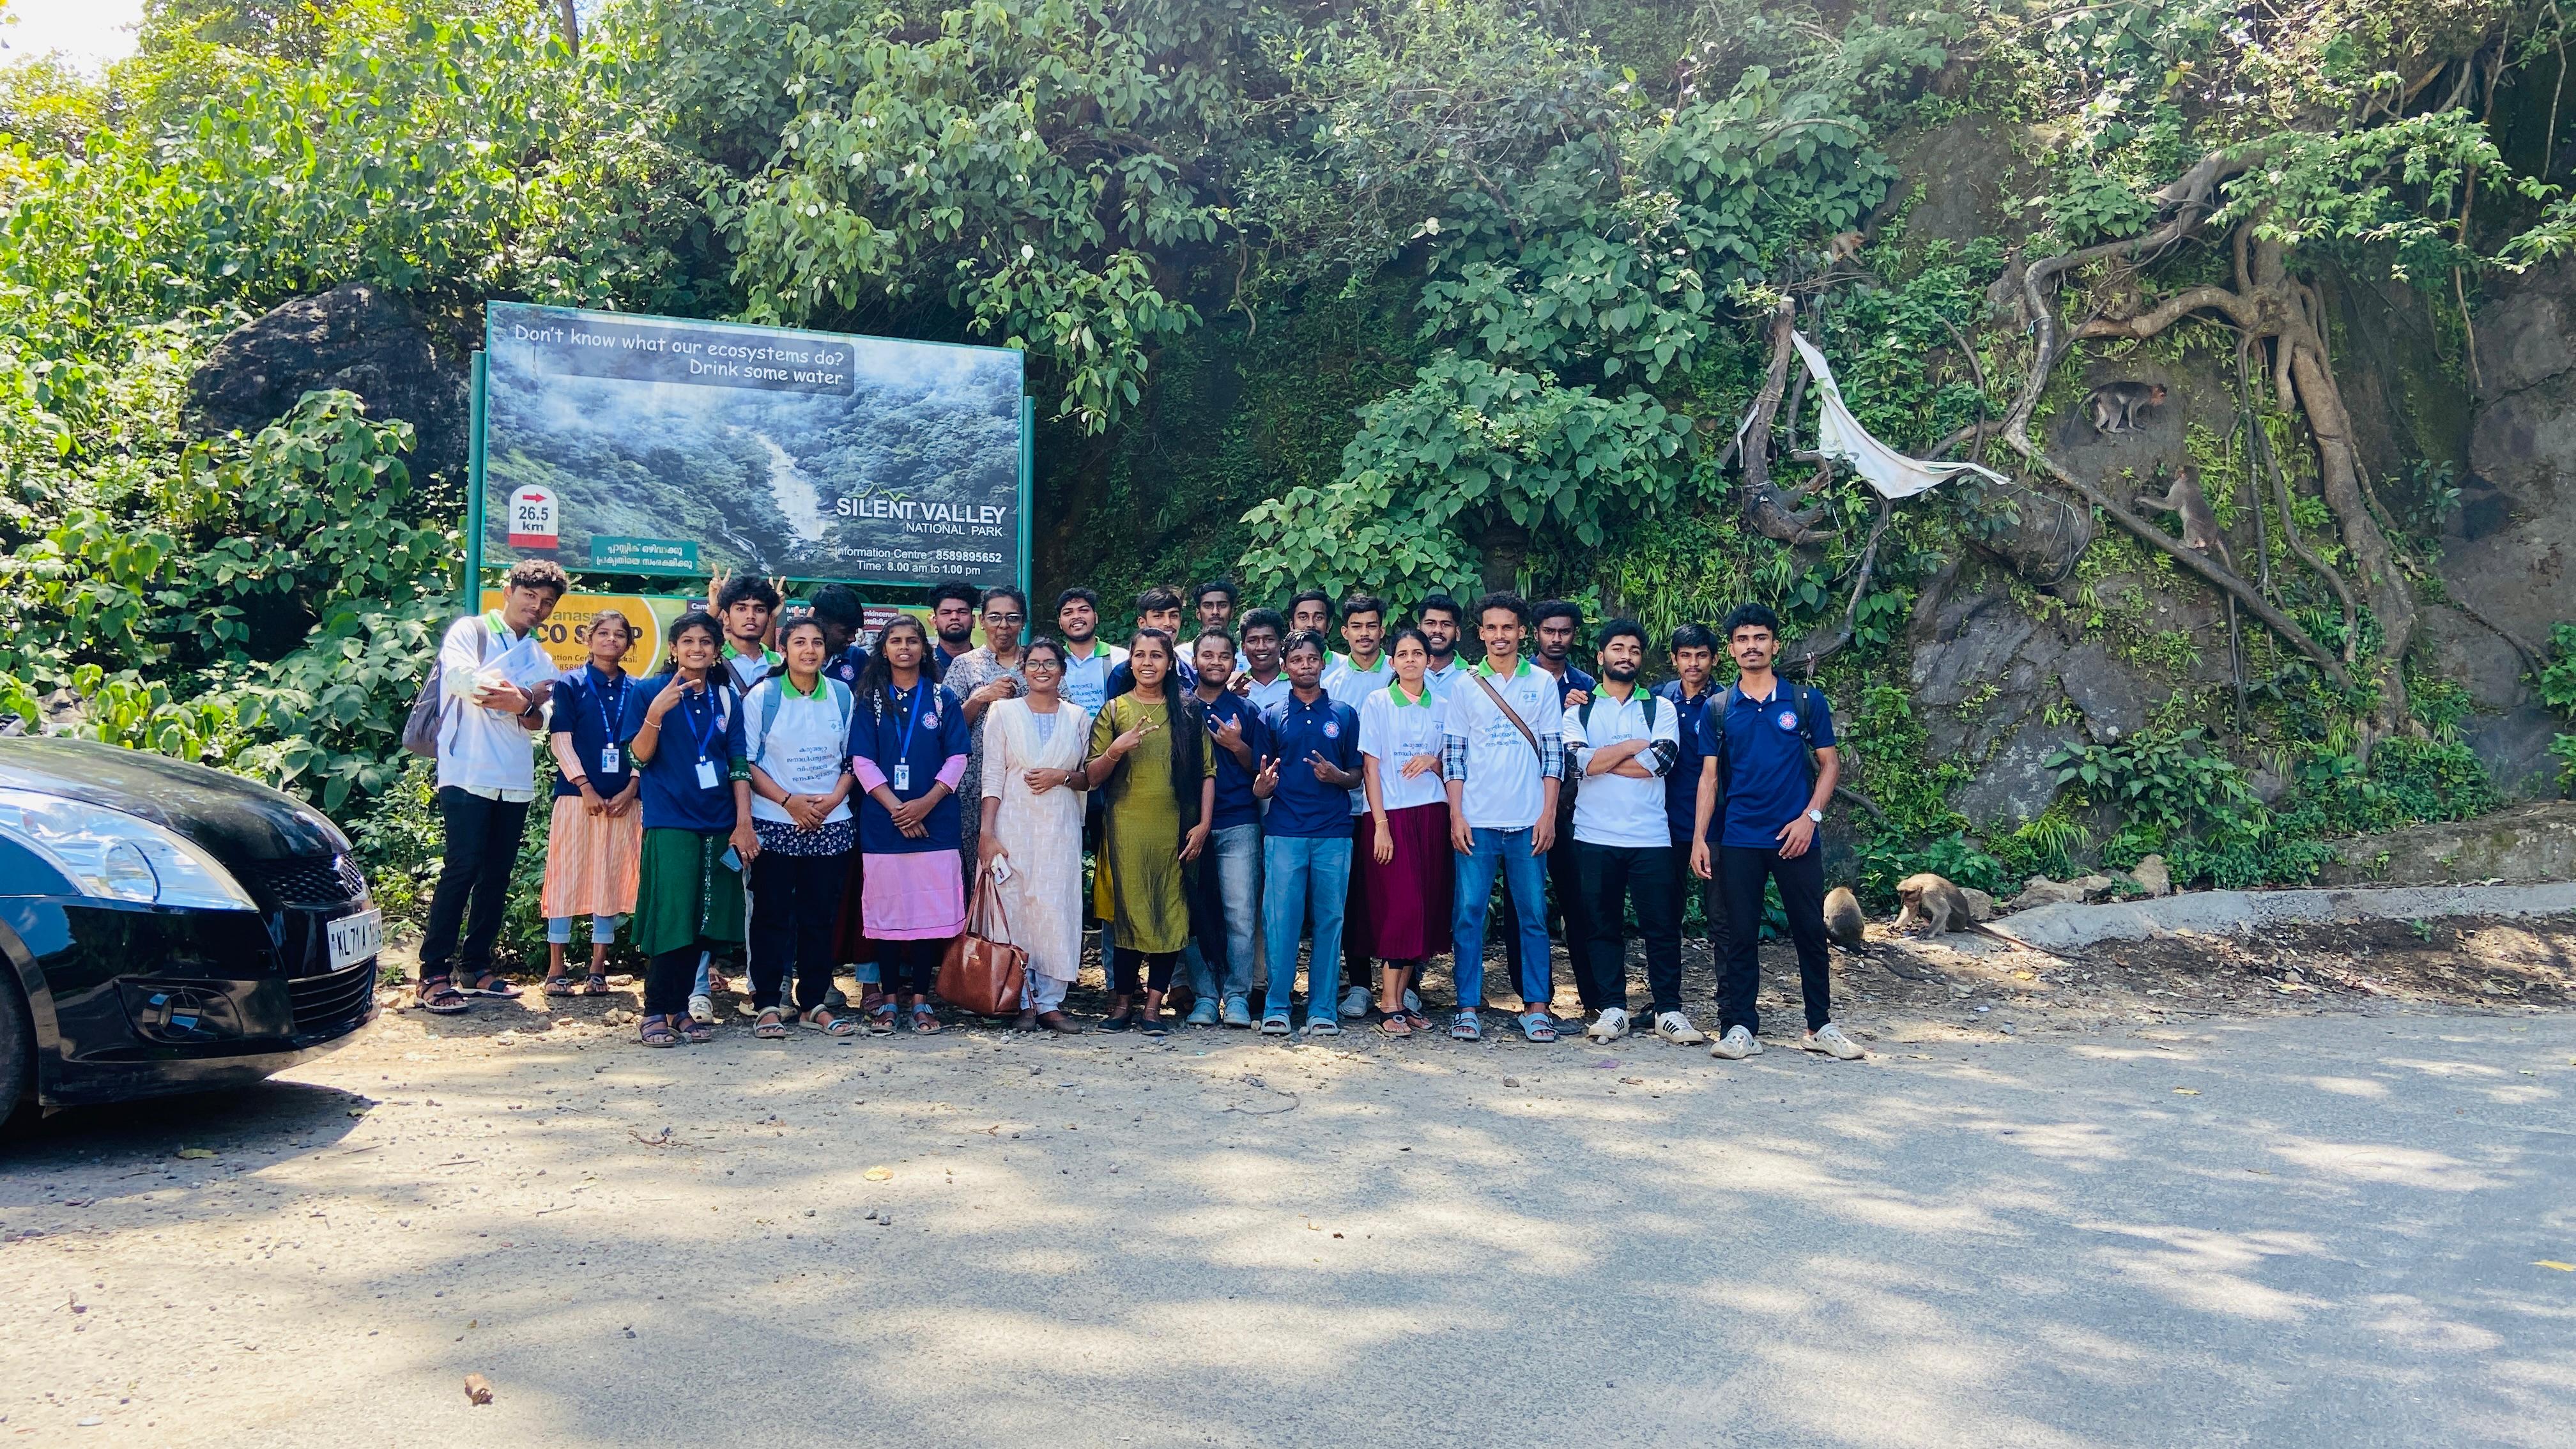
column 652, row 445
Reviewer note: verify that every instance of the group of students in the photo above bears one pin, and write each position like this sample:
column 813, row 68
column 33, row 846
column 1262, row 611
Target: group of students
column 789, row 789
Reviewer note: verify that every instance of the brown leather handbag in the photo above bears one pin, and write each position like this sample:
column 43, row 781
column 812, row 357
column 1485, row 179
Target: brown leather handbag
column 983, row 972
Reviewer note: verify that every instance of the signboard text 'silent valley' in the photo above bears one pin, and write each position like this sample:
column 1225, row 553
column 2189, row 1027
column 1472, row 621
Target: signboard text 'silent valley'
column 658, row 446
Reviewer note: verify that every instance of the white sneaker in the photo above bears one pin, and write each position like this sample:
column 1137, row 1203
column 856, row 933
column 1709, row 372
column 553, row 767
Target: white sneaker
column 1609, row 1026
column 703, row 1008
column 1355, row 1003
column 1830, row 1040
column 1736, row 1045
column 1676, row 1028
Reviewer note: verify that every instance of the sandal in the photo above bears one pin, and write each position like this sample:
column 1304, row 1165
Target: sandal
column 880, row 1014
column 821, row 1019
column 1394, row 1024
column 1416, row 1020
column 655, row 1031
column 561, row 986
column 441, row 996
column 1539, row 1026
column 492, row 983
column 597, row 985
column 769, row 1026
column 698, row 1032
column 925, row 1021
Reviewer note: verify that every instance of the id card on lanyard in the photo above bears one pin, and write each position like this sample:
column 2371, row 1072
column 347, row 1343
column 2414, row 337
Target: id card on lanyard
column 610, row 757
column 901, row 775
column 706, row 734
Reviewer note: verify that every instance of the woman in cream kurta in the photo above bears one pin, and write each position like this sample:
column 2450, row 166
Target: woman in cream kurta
column 1041, row 737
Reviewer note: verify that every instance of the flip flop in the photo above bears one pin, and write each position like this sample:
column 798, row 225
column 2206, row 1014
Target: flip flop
column 769, row 1026
column 597, row 985
column 561, row 986
column 441, row 998
column 821, row 1019
column 925, row 1022
column 1394, row 1025
column 491, row 983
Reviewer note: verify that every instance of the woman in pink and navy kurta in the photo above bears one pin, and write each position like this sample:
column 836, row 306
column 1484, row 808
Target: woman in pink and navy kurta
column 908, row 743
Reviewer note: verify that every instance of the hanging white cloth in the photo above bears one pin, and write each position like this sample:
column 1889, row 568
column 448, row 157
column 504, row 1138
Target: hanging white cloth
column 1840, row 436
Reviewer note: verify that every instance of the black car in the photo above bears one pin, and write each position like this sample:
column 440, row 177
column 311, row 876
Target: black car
column 166, row 927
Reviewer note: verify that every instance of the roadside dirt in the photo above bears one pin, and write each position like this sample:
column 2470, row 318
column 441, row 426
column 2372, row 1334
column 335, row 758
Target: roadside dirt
column 1905, row 988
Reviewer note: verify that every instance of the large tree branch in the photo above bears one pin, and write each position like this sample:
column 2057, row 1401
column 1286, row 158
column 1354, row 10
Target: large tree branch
column 1812, row 651
column 1765, row 506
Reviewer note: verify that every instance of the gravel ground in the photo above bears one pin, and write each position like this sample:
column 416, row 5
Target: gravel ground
column 2084, row 1215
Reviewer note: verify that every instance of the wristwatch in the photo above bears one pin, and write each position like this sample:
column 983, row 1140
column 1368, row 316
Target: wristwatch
column 1817, row 816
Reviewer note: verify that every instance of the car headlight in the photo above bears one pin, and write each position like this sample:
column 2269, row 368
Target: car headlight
column 117, row 856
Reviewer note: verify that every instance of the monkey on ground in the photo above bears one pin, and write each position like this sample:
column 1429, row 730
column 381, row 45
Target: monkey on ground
column 2115, row 405
column 2199, row 524
column 1843, row 920
column 1932, row 906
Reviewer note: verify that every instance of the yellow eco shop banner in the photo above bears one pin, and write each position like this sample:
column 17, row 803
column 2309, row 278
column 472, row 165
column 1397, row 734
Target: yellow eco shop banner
column 565, row 635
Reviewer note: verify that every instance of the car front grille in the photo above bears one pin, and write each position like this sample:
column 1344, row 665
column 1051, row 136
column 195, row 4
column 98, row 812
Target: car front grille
column 322, row 1002
column 313, row 880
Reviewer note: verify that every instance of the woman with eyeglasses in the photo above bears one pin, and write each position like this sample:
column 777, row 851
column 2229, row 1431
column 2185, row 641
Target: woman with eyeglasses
column 1032, row 831
column 982, row 678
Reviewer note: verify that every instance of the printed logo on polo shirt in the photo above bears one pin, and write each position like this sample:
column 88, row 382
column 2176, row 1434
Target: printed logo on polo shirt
column 1787, row 719
column 1332, row 729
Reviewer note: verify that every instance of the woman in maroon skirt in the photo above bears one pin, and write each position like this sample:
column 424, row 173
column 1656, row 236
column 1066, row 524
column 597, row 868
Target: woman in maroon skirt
column 1409, row 870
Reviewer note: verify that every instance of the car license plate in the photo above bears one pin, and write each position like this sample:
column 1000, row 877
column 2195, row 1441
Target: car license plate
column 355, row 938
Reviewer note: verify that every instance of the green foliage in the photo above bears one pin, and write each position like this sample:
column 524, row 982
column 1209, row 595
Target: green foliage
column 1468, row 444
column 2557, row 682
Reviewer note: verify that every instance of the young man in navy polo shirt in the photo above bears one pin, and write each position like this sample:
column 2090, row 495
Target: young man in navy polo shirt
column 1756, row 737
column 1314, row 760
column 1225, row 904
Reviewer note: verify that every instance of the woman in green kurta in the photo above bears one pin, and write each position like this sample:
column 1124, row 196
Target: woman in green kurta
column 1157, row 776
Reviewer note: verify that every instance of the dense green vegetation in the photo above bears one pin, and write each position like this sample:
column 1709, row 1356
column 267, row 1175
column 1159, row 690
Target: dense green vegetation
column 1410, row 295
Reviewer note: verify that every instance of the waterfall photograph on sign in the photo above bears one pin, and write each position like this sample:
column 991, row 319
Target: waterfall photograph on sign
column 661, row 446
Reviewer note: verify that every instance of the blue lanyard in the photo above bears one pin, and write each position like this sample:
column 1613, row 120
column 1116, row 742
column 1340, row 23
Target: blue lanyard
column 912, row 718
column 608, row 718
column 706, row 733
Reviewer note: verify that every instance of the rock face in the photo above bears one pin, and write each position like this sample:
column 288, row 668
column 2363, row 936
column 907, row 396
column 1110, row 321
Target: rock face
column 1986, row 672
column 2535, row 842
column 2510, row 545
column 356, row 337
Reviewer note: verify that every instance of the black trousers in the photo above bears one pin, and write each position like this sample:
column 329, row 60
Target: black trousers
column 1712, row 907
column 1127, row 963
column 667, row 979
column 1614, row 877
column 795, row 902
column 1741, row 871
column 482, row 839
column 916, row 960
column 1566, row 915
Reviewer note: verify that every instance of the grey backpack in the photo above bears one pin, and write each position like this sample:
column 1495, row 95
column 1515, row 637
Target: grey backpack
column 420, row 727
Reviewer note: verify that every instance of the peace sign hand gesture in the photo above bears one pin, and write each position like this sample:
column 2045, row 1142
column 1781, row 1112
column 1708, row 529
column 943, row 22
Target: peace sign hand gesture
column 1267, row 782
column 1127, row 743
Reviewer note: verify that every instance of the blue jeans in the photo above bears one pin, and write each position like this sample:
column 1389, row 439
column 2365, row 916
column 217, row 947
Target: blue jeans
column 1303, row 877
column 603, row 929
column 1525, row 876
column 1225, row 916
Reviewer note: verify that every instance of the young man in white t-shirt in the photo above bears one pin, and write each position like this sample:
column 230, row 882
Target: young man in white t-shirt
column 486, row 779
column 1623, row 741
column 1503, row 758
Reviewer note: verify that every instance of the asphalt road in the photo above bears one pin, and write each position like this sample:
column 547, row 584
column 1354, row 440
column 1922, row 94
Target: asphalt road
column 2323, row 1231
